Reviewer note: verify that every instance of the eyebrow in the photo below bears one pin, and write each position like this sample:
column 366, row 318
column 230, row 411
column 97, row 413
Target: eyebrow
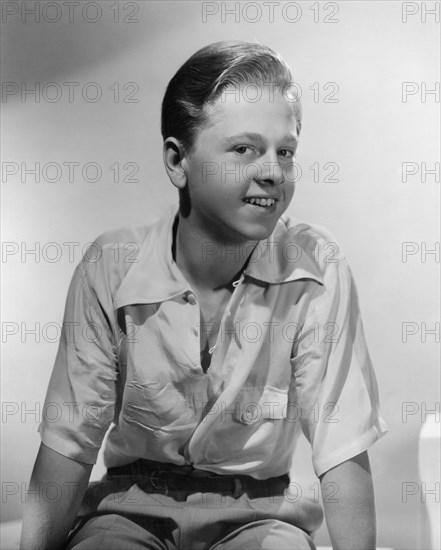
column 252, row 136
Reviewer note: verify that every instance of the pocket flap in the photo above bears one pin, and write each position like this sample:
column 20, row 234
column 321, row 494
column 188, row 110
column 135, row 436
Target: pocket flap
column 265, row 403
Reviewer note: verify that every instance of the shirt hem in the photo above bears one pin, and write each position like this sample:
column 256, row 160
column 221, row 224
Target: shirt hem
column 361, row 444
column 59, row 445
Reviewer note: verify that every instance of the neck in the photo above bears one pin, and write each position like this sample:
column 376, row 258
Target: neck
column 207, row 261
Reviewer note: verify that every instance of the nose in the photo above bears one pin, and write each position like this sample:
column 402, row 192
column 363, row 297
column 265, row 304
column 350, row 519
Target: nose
column 271, row 172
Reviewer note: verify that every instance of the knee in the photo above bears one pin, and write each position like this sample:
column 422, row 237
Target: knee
column 284, row 536
column 267, row 534
column 90, row 533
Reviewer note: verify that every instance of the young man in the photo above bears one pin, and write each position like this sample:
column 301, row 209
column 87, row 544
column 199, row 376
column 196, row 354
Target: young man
column 234, row 327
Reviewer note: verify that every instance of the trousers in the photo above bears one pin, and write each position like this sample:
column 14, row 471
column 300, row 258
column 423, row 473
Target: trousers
column 161, row 510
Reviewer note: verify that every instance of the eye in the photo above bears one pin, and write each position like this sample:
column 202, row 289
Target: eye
column 287, row 153
column 242, row 149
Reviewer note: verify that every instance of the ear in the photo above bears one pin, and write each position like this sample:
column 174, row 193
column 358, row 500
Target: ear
column 174, row 162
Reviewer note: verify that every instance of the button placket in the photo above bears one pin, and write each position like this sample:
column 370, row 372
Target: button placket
column 191, row 299
column 227, row 314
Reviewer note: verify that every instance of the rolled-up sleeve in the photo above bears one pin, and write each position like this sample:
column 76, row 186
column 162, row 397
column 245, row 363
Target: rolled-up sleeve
column 80, row 399
column 336, row 387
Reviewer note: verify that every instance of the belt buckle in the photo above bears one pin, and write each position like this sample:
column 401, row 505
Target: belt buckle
column 237, row 488
column 155, row 480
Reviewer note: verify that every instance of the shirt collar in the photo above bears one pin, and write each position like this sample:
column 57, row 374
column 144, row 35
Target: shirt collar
column 155, row 277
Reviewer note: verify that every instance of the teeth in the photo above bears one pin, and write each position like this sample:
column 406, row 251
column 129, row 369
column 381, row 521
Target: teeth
column 261, row 202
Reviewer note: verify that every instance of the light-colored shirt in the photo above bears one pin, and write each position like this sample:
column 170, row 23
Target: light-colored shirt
column 290, row 354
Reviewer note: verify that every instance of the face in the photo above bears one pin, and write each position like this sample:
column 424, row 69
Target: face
column 240, row 171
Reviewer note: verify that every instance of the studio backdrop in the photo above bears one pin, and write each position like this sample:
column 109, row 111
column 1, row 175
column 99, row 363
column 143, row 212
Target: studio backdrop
column 82, row 86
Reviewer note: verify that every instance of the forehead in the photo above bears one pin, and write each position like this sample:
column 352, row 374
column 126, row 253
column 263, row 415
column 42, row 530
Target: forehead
column 253, row 108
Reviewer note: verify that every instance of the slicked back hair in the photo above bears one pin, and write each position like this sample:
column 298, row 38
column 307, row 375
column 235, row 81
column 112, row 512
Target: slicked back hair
column 207, row 73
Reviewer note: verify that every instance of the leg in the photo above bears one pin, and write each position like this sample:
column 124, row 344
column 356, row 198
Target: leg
column 267, row 534
column 114, row 532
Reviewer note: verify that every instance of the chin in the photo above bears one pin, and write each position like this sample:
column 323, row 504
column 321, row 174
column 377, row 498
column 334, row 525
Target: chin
column 259, row 233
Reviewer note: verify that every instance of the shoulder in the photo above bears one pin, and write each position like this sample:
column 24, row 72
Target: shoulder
column 316, row 245
column 120, row 239
column 337, row 291
column 311, row 236
column 111, row 255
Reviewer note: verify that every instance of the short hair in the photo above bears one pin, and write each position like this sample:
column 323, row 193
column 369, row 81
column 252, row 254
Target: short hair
column 206, row 74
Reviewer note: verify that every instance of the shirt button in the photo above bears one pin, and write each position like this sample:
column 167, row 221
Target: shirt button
column 192, row 299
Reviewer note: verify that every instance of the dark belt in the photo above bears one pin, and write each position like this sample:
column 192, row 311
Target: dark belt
column 164, row 478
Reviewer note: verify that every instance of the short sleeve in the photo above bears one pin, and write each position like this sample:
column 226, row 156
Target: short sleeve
column 336, row 387
column 79, row 405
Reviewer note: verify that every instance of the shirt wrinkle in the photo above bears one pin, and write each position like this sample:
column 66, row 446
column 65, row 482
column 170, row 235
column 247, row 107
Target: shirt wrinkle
column 271, row 372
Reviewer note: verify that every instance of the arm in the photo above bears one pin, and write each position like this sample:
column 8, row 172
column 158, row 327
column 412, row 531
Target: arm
column 57, row 488
column 350, row 512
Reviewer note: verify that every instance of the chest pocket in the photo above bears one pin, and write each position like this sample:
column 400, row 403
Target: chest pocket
column 261, row 404
column 156, row 406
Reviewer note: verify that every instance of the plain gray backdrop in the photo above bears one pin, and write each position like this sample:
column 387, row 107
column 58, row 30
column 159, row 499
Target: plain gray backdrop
column 91, row 130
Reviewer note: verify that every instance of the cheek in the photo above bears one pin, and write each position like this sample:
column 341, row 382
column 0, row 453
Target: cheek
column 200, row 167
column 289, row 188
column 291, row 172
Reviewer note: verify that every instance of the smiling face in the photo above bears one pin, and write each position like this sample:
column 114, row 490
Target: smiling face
column 240, row 170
